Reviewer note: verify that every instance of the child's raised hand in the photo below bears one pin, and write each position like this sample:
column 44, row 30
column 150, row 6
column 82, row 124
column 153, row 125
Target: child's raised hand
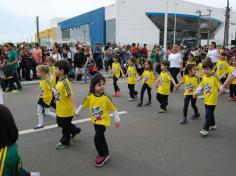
column 117, row 124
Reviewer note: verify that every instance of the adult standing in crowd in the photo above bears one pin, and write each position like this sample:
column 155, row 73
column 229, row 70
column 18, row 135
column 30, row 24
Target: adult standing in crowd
column 12, row 59
column 213, row 53
column 98, row 56
column 144, row 51
column 56, row 52
column 176, row 64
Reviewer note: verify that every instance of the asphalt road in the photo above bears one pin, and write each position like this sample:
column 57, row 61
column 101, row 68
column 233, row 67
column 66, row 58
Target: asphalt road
column 147, row 143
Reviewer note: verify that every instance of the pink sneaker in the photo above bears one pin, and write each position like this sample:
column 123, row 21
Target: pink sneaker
column 118, row 94
column 101, row 161
column 114, row 94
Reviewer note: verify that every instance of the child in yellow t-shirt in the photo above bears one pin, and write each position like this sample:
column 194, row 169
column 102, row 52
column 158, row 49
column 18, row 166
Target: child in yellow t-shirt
column 100, row 105
column 45, row 95
column 116, row 70
column 65, row 104
column 148, row 78
column 221, row 67
column 190, row 82
column 210, row 84
column 132, row 73
column 52, row 76
column 163, row 86
column 232, row 86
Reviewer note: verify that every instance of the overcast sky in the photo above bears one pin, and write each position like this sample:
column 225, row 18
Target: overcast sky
column 17, row 17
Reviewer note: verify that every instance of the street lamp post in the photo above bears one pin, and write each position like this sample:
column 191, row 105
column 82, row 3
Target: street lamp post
column 208, row 31
column 165, row 29
column 199, row 12
column 175, row 25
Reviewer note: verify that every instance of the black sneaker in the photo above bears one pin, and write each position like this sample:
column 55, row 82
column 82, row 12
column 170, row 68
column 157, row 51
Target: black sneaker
column 183, row 122
column 140, row 105
column 74, row 135
column 196, row 116
column 148, row 104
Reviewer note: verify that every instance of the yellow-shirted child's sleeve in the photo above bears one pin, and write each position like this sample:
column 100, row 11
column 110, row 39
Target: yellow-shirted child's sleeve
column 110, row 105
column 85, row 103
column 68, row 88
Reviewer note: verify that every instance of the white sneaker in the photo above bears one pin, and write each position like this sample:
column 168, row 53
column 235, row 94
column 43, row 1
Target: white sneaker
column 35, row 173
column 131, row 99
column 213, row 127
column 204, row 132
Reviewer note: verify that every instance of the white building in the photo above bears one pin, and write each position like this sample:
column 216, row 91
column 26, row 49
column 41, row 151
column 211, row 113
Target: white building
column 130, row 21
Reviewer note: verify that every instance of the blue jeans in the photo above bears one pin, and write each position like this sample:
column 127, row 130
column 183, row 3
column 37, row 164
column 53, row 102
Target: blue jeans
column 86, row 74
column 17, row 80
column 209, row 117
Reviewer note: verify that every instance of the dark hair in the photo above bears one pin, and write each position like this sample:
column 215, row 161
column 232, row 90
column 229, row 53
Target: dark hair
column 166, row 63
column 208, row 64
column 63, row 65
column 214, row 43
column 97, row 78
column 8, row 130
column 132, row 59
column 188, row 68
column 150, row 65
column 117, row 56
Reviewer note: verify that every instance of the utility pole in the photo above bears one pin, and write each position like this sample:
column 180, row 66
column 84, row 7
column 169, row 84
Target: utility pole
column 226, row 32
column 165, row 29
column 175, row 24
column 209, row 25
column 199, row 12
column 37, row 29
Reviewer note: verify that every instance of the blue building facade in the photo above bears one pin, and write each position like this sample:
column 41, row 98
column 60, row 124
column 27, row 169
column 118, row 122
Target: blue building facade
column 94, row 19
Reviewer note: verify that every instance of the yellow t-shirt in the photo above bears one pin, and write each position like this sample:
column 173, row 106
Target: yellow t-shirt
column 131, row 71
column 229, row 71
column 116, row 70
column 53, row 76
column 148, row 77
column 190, row 85
column 210, row 85
column 99, row 109
column 221, row 68
column 191, row 62
column 45, row 92
column 165, row 82
column 200, row 72
column 64, row 106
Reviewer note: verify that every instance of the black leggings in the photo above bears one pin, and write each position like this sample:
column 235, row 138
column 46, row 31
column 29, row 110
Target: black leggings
column 163, row 100
column 116, row 87
column 193, row 100
column 132, row 91
column 174, row 73
column 232, row 89
column 144, row 87
column 100, row 140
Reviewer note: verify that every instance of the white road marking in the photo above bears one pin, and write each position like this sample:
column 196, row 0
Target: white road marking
column 55, row 125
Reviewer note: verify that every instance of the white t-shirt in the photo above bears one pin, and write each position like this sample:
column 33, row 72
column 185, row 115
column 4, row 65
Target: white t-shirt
column 57, row 57
column 234, row 73
column 213, row 54
column 175, row 60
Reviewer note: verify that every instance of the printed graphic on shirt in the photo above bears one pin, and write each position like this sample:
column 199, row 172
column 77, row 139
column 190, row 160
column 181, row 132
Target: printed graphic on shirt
column 161, row 81
column 130, row 74
column 57, row 96
column 41, row 93
column 220, row 66
column 189, row 87
column 145, row 78
column 97, row 113
column 208, row 88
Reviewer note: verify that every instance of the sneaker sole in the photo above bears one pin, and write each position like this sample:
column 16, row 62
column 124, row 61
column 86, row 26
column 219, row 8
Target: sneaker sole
column 104, row 162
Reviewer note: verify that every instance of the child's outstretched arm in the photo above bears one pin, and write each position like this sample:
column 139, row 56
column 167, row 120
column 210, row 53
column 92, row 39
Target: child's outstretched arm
column 173, row 81
column 198, row 91
column 180, row 84
column 116, row 119
column 78, row 110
